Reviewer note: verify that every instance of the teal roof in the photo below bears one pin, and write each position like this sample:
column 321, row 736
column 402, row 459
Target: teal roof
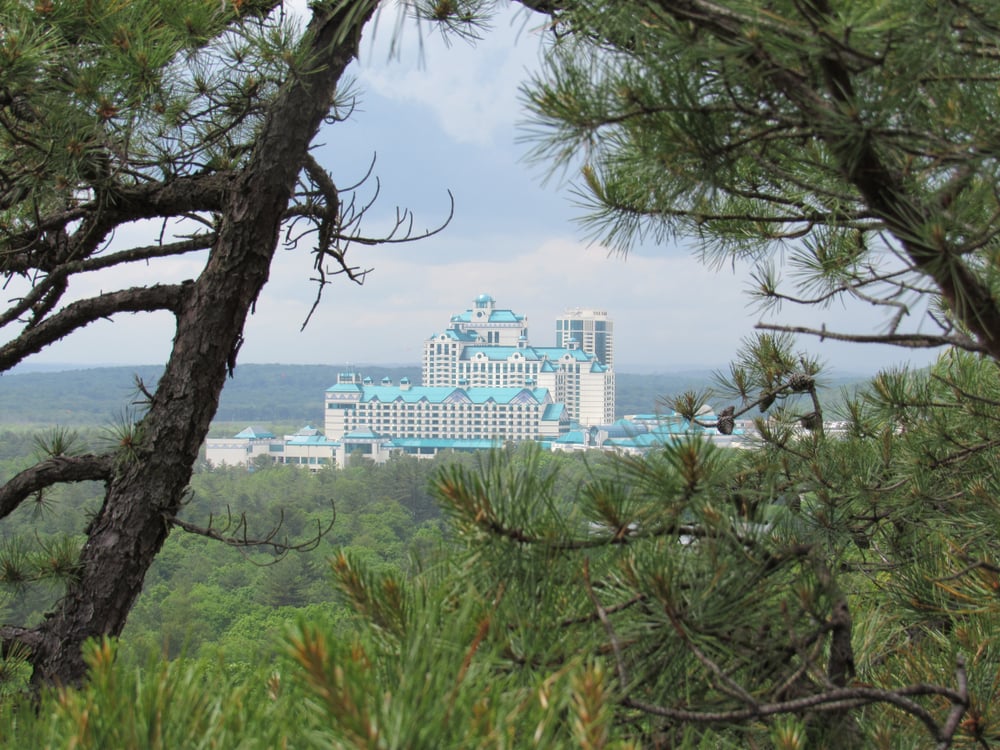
column 413, row 395
column 346, row 388
column 571, row 437
column 555, row 352
column 255, row 433
column 361, row 435
column 554, row 412
column 505, row 316
column 310, row 440
column 438, row 394
column 648, row 440
column 495, row 316
column 456, row 335
column 444, row 443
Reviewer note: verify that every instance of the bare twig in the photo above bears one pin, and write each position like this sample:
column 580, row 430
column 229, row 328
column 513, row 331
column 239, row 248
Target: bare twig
column 234, row 533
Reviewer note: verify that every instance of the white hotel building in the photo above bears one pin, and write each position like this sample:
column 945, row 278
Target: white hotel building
column 483, row 385
column 487, row 347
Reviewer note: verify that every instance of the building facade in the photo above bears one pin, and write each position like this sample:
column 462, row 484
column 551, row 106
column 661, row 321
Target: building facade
column 592, row 330
column 408, row 412
column 307, row 447
column 487, row 347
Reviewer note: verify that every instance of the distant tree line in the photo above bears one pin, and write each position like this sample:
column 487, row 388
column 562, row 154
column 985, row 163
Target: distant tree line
column 265, row 394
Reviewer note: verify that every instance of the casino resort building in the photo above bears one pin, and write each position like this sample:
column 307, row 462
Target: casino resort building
column 483, row 385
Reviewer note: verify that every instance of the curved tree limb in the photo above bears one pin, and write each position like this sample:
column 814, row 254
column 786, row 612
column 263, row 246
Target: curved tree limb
column 80, row 314
column 881, row 188
column 837, row 699
column 51, row 471
column 211, row 312
column 29, row 250
column 337, row 225
column 47, row 291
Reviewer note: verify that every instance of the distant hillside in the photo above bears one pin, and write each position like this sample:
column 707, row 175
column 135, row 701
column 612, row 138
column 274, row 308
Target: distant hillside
column 74, row 397
column 257, row 393
column 268, row 394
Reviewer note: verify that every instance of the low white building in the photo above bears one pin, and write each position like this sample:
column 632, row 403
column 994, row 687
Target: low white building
column 307, row 447
column 244, row 448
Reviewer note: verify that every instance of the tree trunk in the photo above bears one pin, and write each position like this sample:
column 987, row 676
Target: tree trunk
column 154, row 468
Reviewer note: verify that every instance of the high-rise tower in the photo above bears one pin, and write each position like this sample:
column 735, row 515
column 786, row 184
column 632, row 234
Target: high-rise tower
column 592, row 330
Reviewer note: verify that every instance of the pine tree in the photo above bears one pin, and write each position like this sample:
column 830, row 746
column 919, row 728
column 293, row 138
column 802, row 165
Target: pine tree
column 197, row 114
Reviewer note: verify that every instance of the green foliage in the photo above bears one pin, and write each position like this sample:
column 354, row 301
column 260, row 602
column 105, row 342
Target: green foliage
column 134, row 79
column 816, row 141
column 821, row 591
column 60, row 441
column 169, row 704
column 819, row 142
column 825, row 590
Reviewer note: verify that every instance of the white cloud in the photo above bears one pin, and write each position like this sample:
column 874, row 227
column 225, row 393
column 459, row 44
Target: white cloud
column 471, row 90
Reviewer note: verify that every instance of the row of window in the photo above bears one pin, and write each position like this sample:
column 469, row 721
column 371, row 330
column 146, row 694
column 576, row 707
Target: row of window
column 435, row 420
column 426, row 406
column 395, row 407
column 435, row 423
column 467, row 433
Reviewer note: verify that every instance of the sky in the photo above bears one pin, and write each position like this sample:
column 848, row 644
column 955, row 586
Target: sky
column 448, row 116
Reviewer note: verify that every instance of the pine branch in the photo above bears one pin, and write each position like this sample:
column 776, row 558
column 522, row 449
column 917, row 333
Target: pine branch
column 36, row 248
column 336, row 225
column 908, row 340
column 79, row 314
column 51, row 471
column 836, row 700
column 47, row 291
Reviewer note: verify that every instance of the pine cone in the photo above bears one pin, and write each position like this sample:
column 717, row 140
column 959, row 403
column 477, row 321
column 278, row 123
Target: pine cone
column 726, row 422
column 21, row 108
column 800, row 382
column 766, row 400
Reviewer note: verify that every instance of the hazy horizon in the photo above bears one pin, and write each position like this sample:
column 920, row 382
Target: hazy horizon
column 681, row 368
